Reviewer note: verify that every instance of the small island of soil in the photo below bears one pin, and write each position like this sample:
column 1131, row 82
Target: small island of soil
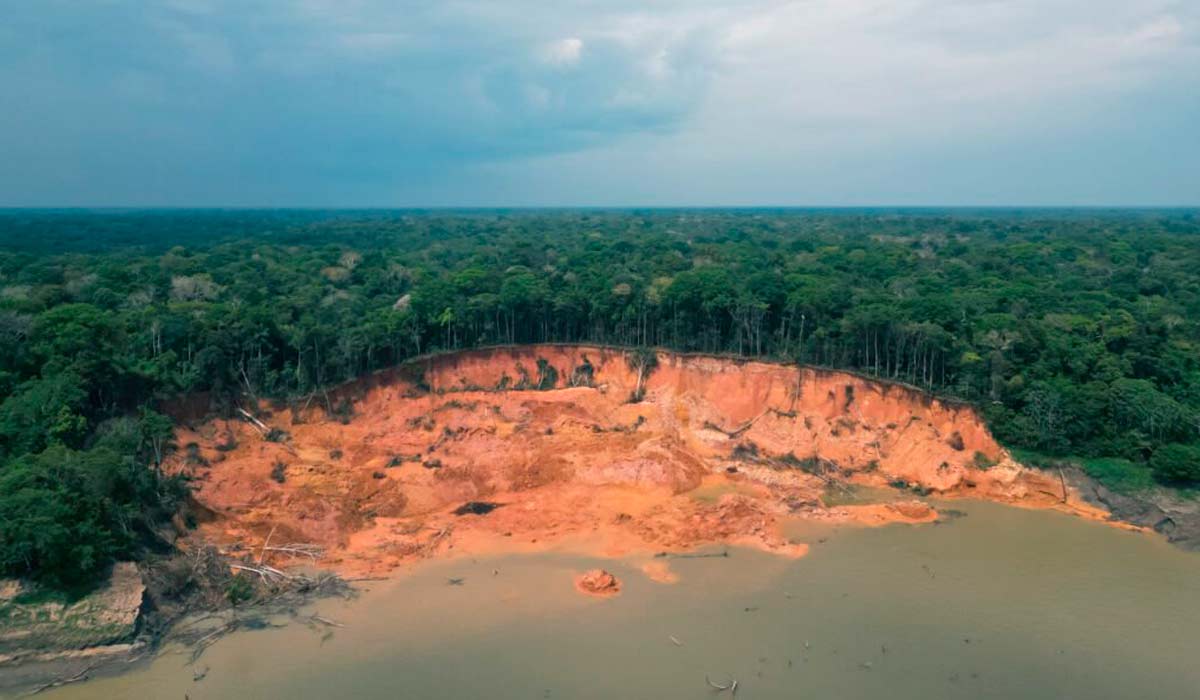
column 598, row 582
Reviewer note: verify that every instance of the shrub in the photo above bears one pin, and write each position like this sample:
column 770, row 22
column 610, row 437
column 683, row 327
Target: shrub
column 1176, row 464
column 643, row 361
column 584, row 374
column 982, row 461
column 343, row 412
column 523, row 384
column 547, row 375
column 230, row 444
column 240, row 590
column 1119, row 474
column 194, row 457
column 745, row 450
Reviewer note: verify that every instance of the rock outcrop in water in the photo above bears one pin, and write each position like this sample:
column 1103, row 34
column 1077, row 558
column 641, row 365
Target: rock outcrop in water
column 716, row 450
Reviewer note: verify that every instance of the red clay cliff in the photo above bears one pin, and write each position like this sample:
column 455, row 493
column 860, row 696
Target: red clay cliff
column 550, row 449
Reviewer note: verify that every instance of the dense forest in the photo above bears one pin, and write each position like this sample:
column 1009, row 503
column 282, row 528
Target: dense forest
column 1075, row 332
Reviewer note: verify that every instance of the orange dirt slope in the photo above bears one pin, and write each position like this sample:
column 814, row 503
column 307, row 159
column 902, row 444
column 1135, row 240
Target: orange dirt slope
column 718, row 451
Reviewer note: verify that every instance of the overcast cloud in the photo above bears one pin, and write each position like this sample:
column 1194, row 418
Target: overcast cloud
column 515, row 102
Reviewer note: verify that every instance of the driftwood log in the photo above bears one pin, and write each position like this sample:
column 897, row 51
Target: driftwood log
column 81, row 676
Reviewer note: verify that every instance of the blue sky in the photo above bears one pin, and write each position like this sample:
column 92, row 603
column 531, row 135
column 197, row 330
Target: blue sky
column 591, row 102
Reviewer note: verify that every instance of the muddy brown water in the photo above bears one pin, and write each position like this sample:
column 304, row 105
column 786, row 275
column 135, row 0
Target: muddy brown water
column 1001, row 603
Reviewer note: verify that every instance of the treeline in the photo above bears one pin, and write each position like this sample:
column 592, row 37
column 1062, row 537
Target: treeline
column 1075, row 332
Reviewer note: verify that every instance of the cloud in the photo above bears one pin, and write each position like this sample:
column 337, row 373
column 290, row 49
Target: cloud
column 328, row 92
column 1157, row 31
column 563, row 52
column 495, row 101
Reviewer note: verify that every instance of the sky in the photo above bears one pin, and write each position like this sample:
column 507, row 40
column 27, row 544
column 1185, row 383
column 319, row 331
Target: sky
column 324, row 103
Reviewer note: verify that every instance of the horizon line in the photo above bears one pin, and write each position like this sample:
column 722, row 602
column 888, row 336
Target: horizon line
column 589, row 207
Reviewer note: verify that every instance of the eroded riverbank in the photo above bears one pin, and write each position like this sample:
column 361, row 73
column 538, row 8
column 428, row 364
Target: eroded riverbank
column 586, row 452
column 603, row 451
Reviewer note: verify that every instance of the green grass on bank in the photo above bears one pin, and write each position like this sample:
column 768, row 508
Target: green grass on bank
column 1120, row 475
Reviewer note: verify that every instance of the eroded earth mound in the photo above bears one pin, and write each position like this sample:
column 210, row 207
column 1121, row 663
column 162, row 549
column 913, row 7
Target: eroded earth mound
column 598, row 582
column 589, row 449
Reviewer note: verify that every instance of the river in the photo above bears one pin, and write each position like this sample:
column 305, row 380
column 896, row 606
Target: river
column 999, row 602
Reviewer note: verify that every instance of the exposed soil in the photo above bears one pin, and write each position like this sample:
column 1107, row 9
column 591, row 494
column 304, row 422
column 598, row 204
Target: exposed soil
column 463, row 454
column 598, row 582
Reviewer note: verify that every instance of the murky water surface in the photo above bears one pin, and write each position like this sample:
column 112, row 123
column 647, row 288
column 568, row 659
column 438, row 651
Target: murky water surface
column 1001, row 603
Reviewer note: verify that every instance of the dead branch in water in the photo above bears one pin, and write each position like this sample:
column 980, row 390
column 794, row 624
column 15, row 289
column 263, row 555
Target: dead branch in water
column 715, row 685
column 81, row 676
column 325, row 621
column 711, row 555
column 201, row 645
column 211, row 595
column 731, row 686
column 295, row 591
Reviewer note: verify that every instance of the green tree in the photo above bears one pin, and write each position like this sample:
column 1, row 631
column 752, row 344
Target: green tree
column 1176, row 464
column 65, row 515
column 44, row 412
